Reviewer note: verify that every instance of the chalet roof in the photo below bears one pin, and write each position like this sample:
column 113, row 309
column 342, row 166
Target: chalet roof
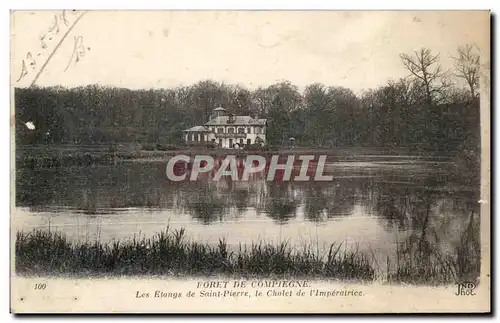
column 220, row 109
column 238, row 120
column 198, row 129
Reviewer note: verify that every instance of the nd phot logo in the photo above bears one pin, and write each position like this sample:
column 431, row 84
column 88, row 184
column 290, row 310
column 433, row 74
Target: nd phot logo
column 466, row 289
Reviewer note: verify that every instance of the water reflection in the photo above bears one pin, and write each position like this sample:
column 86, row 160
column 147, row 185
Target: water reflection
column 281, row 202
column 402, row 201
column 390, row 212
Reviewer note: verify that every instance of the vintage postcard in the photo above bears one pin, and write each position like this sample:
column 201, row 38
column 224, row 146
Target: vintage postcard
column 250, row 161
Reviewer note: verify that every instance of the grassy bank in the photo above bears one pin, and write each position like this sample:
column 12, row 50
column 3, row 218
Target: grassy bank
column 169, row 253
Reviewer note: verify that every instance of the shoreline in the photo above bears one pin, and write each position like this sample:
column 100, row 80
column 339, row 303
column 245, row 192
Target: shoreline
column 74, row 155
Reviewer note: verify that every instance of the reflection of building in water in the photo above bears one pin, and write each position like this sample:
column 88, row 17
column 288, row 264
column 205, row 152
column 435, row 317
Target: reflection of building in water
column 251, row 191
column 228, row 130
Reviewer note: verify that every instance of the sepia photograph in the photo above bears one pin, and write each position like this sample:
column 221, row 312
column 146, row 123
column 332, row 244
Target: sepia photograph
column 277, row 161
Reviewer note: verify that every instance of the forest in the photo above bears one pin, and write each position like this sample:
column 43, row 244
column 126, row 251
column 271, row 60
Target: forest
column 432, row 109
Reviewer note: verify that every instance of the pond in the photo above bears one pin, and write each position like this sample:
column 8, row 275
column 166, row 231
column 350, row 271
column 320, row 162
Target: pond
column 370, row 206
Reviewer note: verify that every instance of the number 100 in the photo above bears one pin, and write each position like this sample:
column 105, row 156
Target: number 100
column 40, row 286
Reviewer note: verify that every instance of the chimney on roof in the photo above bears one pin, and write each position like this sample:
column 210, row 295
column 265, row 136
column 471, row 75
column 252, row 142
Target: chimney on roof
column 218, row 112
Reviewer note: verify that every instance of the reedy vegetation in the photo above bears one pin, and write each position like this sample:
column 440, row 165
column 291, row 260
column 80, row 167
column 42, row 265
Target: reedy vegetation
column 42, row 252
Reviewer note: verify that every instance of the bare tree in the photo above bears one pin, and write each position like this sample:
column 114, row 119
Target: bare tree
column 425, row 67
column 467, row 66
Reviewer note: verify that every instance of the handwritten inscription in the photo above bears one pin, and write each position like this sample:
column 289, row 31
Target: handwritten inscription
column 50, row 40
column 78, row 52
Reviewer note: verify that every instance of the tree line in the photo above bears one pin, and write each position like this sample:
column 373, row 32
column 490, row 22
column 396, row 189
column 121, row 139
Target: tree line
column 427, row 110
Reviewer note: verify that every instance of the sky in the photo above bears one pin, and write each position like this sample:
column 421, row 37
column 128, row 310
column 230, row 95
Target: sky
column 163, row 49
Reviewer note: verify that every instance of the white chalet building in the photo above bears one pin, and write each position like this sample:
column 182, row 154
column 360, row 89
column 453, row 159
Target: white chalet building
column 228, row 131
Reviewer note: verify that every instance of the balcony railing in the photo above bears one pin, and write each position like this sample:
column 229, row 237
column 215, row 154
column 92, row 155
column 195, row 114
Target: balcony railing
column 230, row 135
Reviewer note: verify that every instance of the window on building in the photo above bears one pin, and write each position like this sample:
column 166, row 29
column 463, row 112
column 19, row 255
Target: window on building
column 241, row 130
column 249, row 141
column 257, row 130
column 249, row 130
column 220, row 130
column 220, row 142
column 241, row 141
column 230, row 131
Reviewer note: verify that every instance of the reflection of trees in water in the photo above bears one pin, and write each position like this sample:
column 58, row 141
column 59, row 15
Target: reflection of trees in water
column 437, row 217
column 443, row 247
column 235, row 194
column 441, row 236
column 280, row 203
column 207, row 211
column 322, row 202
column 315, row 201
column 37, row 188
column 204, row 205
column 241, row 199
column 95, row 188
column 238, row 196
column 417, row 207
column 393, row 205
column 341, row 200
